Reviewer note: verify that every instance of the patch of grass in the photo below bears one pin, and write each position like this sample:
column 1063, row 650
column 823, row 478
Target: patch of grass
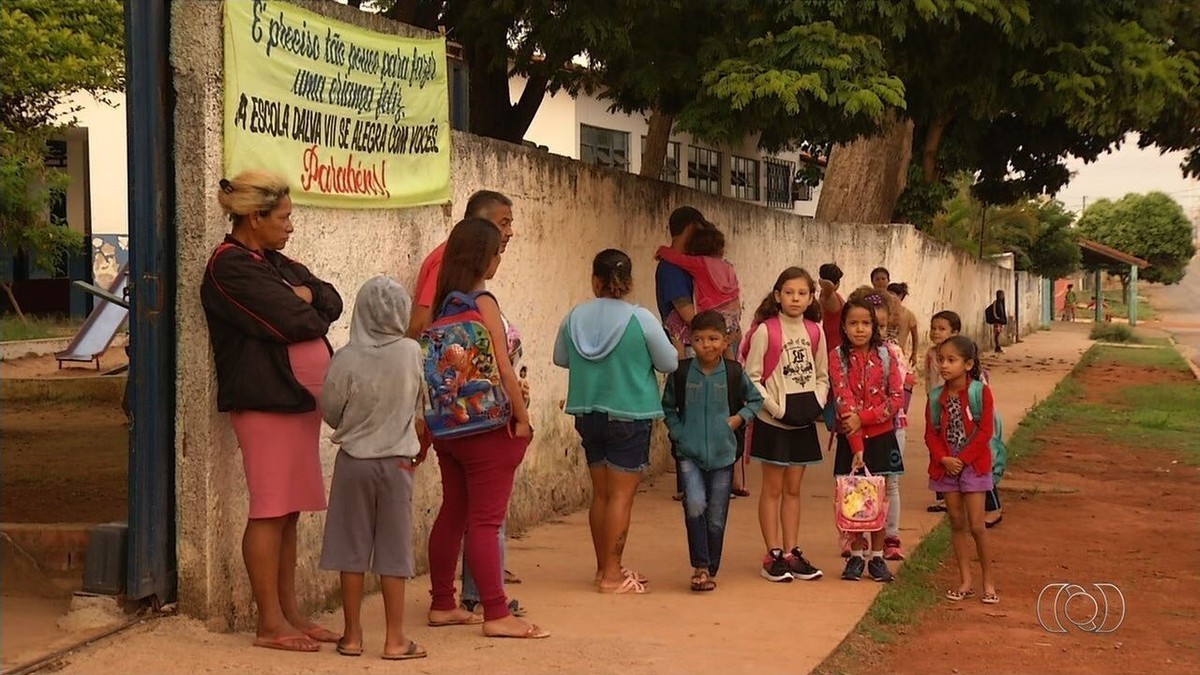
column 1164, row 357
column 1113, row 332
column 912, row 591
column 37, row 328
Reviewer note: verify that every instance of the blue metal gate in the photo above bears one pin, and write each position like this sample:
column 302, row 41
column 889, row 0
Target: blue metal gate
column 152, row 568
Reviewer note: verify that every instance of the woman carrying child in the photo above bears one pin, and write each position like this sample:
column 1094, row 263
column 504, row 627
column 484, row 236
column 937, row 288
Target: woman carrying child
column 960, row 459
column 868, row 392
column 706, row 403
column 715, row 281
column 791, row 371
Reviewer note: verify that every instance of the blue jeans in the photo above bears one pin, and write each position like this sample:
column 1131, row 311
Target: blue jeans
column 469, row 591
column 705, row 509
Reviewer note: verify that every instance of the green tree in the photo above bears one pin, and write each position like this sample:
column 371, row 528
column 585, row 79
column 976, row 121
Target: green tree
column 1151, row 226
column 48, row 51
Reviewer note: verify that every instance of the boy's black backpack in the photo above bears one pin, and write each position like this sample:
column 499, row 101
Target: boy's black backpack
column 733, row 377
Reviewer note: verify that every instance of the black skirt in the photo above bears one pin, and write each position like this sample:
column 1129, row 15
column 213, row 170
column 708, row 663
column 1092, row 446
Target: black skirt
column 881, row 454
column 785, row 447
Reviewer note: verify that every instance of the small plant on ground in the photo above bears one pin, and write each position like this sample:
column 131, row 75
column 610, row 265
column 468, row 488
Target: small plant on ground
column 1113, row 332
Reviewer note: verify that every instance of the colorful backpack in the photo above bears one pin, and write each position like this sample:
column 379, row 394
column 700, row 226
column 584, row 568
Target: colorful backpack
column 831, row 404
column 975, row 405
column 860, row 503
column 466, row 396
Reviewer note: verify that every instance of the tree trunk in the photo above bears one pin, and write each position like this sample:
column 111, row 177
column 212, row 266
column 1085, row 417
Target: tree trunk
column 657, row 137
column 12, row 300
column 929, row 151
column 865, row 178
column 492, row 112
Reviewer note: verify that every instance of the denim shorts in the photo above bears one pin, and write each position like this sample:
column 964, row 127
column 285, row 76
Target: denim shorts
column 623, row 445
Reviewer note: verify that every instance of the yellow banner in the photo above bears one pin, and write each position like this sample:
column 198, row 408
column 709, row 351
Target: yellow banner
column 350, row 117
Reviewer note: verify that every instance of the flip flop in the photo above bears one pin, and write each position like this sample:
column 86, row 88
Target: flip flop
column 321, row 634
column 472, row 620
column 702, row 583
column 288, row 643
column 346, row 651
column 414, row 651
column 511, row 578
column 990, row 599
column 936, row 508
column 630, row 586
column 957, row 595
column 742, row 492
column 630, row 574
column 991, row 524
column 534, row 633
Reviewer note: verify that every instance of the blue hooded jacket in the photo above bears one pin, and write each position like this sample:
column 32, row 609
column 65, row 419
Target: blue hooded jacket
column 612, row 348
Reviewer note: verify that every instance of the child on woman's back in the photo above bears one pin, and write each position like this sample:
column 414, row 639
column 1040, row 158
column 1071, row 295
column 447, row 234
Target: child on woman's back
column 374, row 398
column 868, row 392
column 715, row 280
column 960, row 457
column 790, row 369
column 707, row 401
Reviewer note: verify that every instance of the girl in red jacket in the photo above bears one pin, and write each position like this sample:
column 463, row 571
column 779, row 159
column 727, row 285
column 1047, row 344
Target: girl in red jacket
column 960, row 459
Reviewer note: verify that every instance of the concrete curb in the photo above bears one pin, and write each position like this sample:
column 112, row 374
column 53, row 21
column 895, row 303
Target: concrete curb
column 1191, row 364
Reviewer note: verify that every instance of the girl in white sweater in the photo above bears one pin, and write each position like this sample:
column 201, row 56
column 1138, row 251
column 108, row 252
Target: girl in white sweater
column 789, row 366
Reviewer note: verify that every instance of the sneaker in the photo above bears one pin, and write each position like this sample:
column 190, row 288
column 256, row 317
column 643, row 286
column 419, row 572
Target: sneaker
column 891, row 549
column 854, row 568
column 775, row 567
column 879, row 571
column 801, row 568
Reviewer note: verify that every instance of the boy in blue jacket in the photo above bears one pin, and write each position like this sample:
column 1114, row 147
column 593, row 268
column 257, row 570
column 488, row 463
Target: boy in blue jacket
column 707, row 403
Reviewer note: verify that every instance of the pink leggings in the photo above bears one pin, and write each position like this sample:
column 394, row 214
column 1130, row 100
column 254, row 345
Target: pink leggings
column 477, row 480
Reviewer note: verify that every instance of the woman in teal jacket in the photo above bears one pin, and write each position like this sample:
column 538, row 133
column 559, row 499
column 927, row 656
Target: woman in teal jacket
column 611, row 348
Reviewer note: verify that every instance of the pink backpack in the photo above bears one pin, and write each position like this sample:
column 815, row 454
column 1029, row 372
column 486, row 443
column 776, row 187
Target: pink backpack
column 771, row 358
column 860, row 503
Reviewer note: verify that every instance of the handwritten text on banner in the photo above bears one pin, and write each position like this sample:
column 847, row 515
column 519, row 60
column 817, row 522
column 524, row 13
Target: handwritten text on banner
column 350, row 117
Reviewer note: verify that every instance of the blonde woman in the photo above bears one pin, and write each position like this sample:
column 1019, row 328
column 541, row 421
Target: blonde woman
column 267, row 319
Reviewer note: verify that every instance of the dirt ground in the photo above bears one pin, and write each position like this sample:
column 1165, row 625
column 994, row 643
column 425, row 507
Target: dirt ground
column 746, row 625
column 1089, row 510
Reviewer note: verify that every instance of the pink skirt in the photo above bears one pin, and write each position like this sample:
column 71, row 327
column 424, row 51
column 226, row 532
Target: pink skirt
column 281, row 452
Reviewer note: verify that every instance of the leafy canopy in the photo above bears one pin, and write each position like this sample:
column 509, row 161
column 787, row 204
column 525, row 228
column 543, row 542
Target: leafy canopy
column 1151, row 226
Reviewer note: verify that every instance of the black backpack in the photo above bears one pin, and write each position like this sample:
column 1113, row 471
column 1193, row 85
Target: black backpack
column 733, row 376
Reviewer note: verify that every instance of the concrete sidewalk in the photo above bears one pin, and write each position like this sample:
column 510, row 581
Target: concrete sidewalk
column 747, row 624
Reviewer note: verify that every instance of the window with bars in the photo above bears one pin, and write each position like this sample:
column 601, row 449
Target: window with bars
column 670, row 167
column 704, row 170
column 743, row 178
column 604, row 147
column 779, row 184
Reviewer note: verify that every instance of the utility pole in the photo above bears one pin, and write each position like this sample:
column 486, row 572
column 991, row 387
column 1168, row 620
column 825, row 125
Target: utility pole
column 982, row 229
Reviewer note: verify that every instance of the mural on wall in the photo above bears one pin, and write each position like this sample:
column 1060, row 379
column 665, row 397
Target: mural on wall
column 351, row 118
column 109, row 253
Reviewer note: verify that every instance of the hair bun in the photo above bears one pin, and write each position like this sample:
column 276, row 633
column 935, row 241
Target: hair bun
column 226, row 186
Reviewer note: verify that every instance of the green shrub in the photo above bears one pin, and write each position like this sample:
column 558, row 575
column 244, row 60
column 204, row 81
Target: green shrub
column 1113, row 332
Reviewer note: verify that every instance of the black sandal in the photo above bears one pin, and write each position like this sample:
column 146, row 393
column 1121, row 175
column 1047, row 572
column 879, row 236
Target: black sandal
column 702, row 583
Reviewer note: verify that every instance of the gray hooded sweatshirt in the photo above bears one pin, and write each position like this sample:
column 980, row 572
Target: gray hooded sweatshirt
column 374, row 391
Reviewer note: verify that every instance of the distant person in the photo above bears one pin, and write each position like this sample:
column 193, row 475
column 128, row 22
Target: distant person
column 714, row 279
column 707, row 402
column 997, row 317
column 497, row 209
column 906, row 330
column 267, row 319
column 611, row 349
column 374, row 400
column 786, row 362
column 1069, row 303
column 960, row 460
column 831, row 304
column 880, row 278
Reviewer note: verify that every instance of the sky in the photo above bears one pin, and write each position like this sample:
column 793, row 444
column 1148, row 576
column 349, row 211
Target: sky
column 1131, row 170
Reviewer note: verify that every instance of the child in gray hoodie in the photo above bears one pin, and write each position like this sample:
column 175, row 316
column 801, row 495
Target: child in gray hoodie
column 374, row 399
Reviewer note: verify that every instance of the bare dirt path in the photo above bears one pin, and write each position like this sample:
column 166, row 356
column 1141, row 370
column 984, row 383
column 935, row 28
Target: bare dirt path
column 748, row 624
column 1090, row 507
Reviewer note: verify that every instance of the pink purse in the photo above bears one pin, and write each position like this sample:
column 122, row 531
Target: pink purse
column 860, row 503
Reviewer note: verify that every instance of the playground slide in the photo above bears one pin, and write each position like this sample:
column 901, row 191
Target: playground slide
column 97, row 333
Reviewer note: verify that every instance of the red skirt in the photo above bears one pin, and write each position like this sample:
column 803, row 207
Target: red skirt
column 281, row 452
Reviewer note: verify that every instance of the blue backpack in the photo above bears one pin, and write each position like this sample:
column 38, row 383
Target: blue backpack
column 831, row 404
column 466, row 396
column 975, row 402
